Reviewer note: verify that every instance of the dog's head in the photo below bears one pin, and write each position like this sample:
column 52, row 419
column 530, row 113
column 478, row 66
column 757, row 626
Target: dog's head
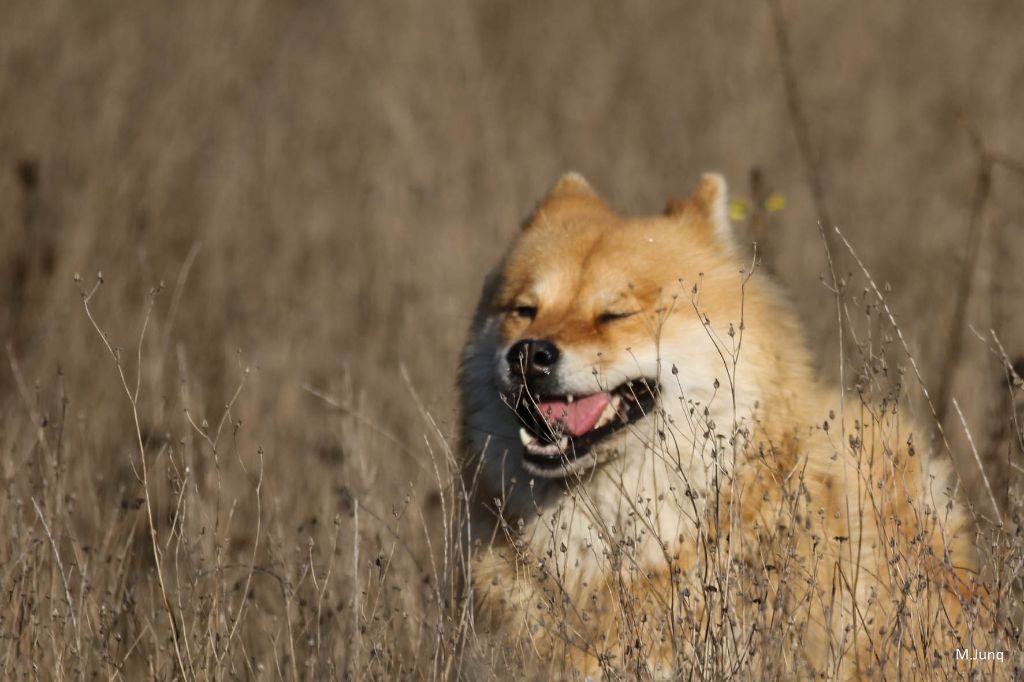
column 595, row 321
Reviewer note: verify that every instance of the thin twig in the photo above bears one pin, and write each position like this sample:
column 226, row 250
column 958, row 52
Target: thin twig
column 179, row 287
column 63, row 576
column 26, row 397
column 355, row 590
column 252, row 561
column 910, row 356
column 975, row 229
column 133, row 401
column 1005, row 403
column 974, row 450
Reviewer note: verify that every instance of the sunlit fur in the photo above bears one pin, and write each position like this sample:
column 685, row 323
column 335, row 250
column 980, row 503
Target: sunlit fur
column 746, row 442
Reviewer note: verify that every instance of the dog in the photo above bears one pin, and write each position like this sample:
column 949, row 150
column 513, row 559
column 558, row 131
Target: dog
column 662, row 484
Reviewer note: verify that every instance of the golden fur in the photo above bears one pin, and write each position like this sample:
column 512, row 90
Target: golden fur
column 750, row 501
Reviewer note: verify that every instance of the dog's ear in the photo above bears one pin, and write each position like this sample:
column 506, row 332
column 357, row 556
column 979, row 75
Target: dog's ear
column 572, row 184
column 571, row 192
column 707, row 208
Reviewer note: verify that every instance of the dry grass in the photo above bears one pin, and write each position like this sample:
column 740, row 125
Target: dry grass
column 298, row 203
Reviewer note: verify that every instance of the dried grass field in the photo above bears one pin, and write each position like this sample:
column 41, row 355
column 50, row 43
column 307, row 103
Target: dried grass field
column 241, row 243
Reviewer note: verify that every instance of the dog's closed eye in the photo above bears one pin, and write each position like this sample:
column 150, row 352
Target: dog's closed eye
column 525, row 311
column 611, row 316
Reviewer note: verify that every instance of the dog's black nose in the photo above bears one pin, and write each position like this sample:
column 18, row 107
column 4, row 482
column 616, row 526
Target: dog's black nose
column 532, row 358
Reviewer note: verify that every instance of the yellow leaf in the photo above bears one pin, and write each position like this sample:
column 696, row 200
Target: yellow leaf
column 738, row 209
column 774, row 202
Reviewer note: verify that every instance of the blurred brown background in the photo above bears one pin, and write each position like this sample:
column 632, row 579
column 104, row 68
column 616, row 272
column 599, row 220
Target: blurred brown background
column 348, row 172
column 344, row 174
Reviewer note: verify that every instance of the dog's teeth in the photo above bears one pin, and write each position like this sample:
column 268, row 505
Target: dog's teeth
column 537, row 447
column 608, row 413
column 615, row 405
column 570, row 398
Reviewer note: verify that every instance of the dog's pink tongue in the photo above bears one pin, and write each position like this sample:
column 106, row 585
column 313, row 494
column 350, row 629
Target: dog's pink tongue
column 580, row 415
